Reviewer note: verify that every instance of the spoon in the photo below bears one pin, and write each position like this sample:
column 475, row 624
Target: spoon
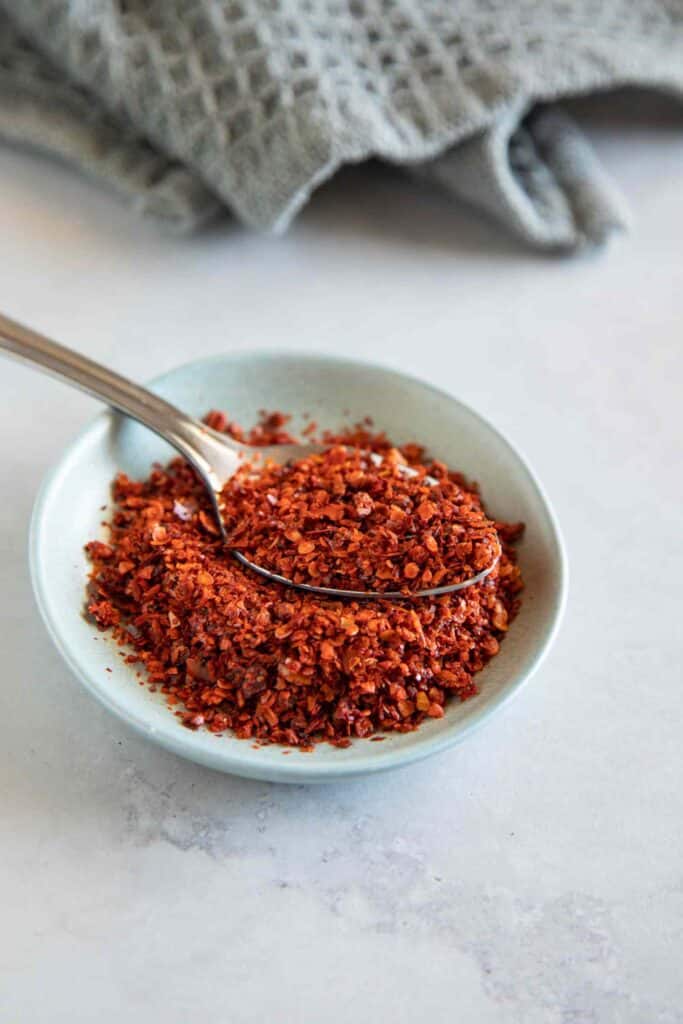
column 216, row 457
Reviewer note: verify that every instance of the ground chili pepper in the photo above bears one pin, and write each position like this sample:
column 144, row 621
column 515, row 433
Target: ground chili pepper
column 343, row 519
column 232, row 652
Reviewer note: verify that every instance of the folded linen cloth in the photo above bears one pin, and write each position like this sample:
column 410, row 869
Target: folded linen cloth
column 190, row 106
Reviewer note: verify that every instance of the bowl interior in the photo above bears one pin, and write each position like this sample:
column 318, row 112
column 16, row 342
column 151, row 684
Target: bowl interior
column 69, row 512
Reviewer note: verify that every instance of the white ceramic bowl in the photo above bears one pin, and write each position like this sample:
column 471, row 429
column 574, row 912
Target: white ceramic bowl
column 68, row 513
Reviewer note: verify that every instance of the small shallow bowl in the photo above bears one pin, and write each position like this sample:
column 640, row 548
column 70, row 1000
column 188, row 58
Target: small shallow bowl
column 68, row 512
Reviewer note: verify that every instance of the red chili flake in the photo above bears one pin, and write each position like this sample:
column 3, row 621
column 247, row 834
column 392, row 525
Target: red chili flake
column 274, row 665
column 97, row 550
column 217, row 421
column 362, row 503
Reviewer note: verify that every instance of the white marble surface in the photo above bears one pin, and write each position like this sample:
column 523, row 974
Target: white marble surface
column 532, row 875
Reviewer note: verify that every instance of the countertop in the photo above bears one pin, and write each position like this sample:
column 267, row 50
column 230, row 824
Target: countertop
column 534, row 874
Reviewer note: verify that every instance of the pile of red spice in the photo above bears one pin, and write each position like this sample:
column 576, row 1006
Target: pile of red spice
column 346, row 520
column 233, row 652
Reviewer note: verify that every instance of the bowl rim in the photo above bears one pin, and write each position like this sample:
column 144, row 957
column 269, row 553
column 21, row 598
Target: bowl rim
column 180, row 742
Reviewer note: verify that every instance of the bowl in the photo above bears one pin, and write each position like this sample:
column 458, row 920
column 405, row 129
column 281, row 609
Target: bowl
column 68, row 512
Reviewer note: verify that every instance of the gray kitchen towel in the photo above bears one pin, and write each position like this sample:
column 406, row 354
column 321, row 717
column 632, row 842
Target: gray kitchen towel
column 187, row 107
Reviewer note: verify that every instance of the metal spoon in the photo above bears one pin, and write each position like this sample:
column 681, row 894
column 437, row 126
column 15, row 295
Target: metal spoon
column 216, row 457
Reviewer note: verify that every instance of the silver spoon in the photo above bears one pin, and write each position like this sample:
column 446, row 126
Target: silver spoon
column 216, row 457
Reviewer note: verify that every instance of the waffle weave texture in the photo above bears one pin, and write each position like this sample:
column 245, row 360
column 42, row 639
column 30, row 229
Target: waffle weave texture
column 187, row 107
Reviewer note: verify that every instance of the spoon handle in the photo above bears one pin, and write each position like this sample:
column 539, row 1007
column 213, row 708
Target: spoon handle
column 189, row 436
